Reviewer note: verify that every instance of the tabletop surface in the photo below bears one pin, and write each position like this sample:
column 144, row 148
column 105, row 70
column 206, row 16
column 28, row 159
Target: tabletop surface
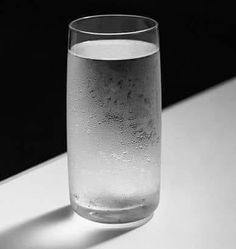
column 198, row 189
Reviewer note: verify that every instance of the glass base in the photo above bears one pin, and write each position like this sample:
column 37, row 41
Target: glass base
column 125, row 217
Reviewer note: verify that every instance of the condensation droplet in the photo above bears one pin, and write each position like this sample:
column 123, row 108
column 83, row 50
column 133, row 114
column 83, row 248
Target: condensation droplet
column 76, row 196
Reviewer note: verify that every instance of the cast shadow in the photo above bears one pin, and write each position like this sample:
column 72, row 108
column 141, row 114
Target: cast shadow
column 56, row 230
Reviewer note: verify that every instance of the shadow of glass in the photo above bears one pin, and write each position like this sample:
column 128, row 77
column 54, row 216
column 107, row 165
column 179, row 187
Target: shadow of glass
column 56, row 230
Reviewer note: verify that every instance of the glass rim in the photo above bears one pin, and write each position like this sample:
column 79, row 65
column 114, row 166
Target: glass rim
column 155, row 25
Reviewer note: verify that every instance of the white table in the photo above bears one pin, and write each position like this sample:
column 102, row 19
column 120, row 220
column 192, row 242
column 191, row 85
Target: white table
column 198, row 189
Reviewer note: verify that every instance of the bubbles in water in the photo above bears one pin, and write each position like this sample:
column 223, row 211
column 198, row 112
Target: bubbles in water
column 139, row 147
column 116, row 156
column 73, row 109
column 76, row 198
column 88, row 130
column 91, row 204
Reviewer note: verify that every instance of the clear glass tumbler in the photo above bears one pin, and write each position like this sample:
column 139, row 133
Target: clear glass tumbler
column 114, row 117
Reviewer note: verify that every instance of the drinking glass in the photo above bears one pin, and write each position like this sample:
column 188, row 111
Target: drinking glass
column 114, row 117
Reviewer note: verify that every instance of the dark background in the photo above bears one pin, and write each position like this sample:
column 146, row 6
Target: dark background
column 198, row 50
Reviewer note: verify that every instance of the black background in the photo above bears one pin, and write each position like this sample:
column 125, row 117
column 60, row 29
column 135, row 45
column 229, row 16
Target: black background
column 198, row 50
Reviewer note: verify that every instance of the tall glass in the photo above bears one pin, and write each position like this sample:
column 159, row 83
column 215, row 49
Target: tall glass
column 114, row 117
